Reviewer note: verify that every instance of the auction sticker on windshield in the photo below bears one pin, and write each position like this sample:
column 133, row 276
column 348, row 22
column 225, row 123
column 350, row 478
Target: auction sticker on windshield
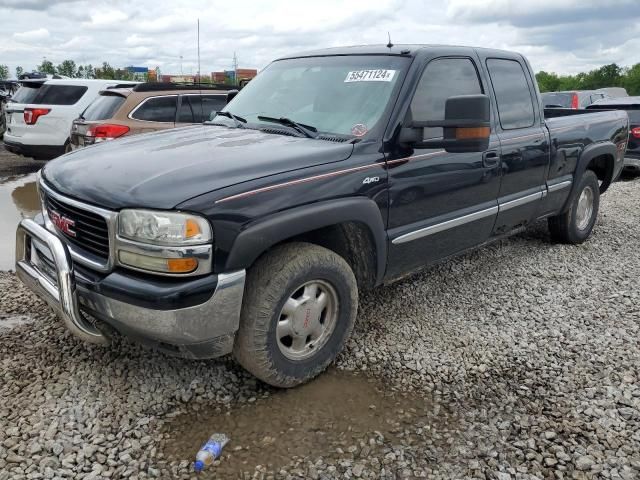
column 378, row 75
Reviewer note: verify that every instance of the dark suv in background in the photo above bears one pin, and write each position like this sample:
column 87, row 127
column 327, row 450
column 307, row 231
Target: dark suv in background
column 147, row 107
column 631, row 105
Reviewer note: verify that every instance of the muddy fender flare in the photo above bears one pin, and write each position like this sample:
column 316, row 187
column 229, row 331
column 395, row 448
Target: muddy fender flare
column 262, row 234
column 592, row 151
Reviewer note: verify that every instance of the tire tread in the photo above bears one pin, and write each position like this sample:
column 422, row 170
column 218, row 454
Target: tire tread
column 266, row 282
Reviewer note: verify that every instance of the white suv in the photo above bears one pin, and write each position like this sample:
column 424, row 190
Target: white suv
column 40, row 114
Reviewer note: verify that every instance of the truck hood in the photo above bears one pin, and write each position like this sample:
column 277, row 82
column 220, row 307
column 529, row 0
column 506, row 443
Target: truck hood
column 163, row 169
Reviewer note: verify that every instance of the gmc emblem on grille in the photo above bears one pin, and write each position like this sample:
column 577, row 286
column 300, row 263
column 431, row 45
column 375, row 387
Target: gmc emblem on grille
column 64, row 224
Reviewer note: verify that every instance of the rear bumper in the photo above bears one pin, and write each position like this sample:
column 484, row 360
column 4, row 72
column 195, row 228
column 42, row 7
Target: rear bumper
column 632, row 161
column 39, row 152
column 204, row 330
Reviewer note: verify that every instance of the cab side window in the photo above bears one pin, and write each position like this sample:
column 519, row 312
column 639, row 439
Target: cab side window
column 185, row 114
column 212, row 103
column 443, row 78
column 198, row 108
column 515, row 105
column 157, row 109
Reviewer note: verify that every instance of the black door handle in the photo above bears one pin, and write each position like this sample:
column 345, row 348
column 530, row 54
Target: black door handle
column 490, row 158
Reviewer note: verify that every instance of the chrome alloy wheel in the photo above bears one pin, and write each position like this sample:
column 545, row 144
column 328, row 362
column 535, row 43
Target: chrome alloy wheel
column 307, row 320
column 584, row 211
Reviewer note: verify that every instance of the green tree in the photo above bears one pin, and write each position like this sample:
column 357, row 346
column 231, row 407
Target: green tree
column 548, row 82
column 123, row 74
column 86, row 71
column 47, row 67
column 19, row 71
column 68, row 69
column 106, row 72
column 631, row 80
column 605, row 76
column 4, row 72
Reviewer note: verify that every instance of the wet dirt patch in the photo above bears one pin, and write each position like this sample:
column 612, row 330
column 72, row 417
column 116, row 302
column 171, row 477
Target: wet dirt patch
column 337, row 411
column 18, row 200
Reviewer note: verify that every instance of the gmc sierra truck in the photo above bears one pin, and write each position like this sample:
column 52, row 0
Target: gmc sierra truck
column 330, row 173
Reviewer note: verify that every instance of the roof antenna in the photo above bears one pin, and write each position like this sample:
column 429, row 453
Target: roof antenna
column 389, row 45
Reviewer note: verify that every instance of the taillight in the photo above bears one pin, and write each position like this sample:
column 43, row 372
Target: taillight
column 31, row 115
column 574, row 101
column 635, row 132
column 106, row 132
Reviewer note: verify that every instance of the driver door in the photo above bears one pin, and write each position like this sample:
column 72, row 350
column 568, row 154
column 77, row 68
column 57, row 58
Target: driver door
column 441, row 203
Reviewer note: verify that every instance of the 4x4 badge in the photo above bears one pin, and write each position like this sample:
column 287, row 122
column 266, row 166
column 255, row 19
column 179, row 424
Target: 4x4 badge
column 369, row 180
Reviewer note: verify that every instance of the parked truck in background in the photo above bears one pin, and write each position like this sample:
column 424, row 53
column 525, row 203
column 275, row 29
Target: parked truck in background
column 576, row 100
column 631, row 106
column 330, row 173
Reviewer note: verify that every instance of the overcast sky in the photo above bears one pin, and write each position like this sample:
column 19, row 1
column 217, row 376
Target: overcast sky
column 564, row 36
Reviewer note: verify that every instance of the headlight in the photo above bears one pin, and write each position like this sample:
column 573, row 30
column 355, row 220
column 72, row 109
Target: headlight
column 163, row 228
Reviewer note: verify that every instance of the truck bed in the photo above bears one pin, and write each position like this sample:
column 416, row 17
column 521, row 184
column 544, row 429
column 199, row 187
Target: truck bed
column 565, row 112
column 582, row 119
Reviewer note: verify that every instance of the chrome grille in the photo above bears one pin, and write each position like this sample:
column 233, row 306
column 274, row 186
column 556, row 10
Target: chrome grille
column 91, row 230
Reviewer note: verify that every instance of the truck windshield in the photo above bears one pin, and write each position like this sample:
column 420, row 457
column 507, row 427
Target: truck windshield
column 344, row 95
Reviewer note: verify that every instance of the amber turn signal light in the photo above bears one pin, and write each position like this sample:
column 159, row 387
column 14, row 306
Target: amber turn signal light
column 192, row 228
column 468, row 133
column 181, row 265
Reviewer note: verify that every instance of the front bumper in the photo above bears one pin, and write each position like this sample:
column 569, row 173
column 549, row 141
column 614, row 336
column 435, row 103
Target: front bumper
column 205, row 330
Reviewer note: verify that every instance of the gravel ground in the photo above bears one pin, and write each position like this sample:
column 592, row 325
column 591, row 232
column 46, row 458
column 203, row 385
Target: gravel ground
column 526, row 350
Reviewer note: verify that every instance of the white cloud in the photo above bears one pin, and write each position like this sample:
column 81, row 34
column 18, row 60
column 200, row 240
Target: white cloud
column 565, row 36
column 136, row 40
column 76, row 42
column 32, row 36
column 107, row 17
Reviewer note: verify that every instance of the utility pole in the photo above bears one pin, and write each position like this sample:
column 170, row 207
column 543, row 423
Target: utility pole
column 235, row 68
column 199, row 77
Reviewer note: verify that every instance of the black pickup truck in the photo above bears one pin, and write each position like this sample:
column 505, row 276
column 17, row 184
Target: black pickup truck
column 331, row 173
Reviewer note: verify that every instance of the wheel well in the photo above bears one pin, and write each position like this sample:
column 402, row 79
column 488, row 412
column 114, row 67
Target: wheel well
column 603, row 166
column 354, row 242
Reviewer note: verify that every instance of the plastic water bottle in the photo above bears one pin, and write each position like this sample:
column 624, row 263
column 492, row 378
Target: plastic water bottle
column 210, row 451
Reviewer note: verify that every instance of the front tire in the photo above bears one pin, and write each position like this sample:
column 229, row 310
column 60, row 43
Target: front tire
column 299, row 308
column 576, row 224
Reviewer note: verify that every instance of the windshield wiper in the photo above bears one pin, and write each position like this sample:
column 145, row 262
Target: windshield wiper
column 236, row 118
column 307, row 130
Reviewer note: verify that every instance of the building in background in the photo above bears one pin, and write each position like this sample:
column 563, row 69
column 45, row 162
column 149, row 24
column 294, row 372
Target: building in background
column 234, row 77
column 138, row 73
column 179, row 78
column 218, row 77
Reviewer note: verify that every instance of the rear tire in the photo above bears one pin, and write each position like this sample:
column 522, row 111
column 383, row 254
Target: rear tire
column 576, row 224
column 299, row 308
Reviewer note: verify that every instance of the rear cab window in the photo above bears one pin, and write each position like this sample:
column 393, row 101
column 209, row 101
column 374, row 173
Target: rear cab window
column 59, row 94
column 156, row 109
column 513, row 95
column 103, row 107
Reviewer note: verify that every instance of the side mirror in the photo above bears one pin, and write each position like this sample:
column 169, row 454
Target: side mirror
column 466, row 126
column 231, row 95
